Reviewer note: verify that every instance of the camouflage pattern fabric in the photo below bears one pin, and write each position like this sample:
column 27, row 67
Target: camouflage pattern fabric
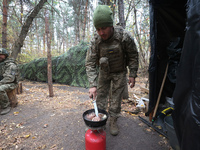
column 129, row 49
column 9, row 80
column 68, row 68
column 118, row 86
column 99, row 55
column 4, row 100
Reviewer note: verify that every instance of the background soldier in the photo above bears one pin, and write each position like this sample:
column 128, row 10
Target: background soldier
column 8, row 79
column 112, row 50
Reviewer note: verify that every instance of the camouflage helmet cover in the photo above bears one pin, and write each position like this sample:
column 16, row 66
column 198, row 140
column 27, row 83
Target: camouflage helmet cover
column 4, row 52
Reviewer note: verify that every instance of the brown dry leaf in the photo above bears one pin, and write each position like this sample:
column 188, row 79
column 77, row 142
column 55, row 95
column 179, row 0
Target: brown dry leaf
column 141, row 124
column 20, row 125
column 53, row 146
column 161, row 136
column 159, row 127
column 16, row 113
column 149, row 130
column 164, row 142
column 43, row 147
column 45, row 125
column 27, row 136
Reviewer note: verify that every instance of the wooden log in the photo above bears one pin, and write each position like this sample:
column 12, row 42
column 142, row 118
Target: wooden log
column 19, row 88
column 12, row 97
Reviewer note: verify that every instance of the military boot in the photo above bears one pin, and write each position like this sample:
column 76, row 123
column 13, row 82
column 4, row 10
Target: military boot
column 5, row 110
column 114, row 130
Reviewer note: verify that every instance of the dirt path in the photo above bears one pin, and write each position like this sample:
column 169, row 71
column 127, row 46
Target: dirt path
column 41, row 122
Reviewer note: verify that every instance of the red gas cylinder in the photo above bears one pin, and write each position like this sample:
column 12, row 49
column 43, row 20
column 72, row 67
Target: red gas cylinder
column 95, row 140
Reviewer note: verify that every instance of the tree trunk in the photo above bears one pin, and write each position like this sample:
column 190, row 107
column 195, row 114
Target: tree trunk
column 121, row 13
column 63, row 49
column 138, row 35
column 37, row 35
column 51, row 26
column 77, row 8
column 107, row 2
column 85, row 19
column 78, row 23
column 22, row 11
column 114, row 6
column 44, row 44
column 4, row 26
column 16, row 49
column 49, row 63
column 130, row 8
column 31, row 44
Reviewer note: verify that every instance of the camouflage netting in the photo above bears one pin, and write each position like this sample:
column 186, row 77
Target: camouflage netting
column 68, row 68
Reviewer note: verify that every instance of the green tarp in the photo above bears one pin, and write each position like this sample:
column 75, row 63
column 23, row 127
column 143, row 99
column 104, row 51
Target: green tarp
column 68, row 68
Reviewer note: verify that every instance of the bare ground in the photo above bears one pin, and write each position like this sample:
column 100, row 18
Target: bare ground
column 56, row 123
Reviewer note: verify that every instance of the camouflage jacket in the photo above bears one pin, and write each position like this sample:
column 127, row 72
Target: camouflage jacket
column 129, row 49
column 8, row 71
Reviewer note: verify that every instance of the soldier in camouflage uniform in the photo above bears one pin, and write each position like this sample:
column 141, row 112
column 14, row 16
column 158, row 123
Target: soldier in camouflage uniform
column 8, row 79
column 111, row 51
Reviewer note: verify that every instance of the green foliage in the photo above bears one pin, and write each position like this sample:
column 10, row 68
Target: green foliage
column 66, row 25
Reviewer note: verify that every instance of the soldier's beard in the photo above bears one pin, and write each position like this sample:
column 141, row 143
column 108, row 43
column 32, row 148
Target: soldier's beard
column 1, row 59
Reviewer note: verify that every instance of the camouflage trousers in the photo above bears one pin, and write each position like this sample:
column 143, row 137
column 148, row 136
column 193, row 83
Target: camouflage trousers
column 114, row 83
column 4, row 100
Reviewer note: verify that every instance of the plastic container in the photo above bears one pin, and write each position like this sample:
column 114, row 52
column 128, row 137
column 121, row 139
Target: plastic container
column 171, row 133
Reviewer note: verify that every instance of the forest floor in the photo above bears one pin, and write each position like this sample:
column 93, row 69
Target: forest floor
column 56, row 123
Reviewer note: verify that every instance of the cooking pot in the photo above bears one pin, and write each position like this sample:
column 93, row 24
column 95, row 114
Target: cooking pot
column 95, row 124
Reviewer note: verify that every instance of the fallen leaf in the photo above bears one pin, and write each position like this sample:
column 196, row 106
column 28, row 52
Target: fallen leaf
column 43, row 147
column 20, row 125
column 27, row 136
column 45, row 125
column 149, row 130
column 16, row 113
column 159, row 127
column 53, row 146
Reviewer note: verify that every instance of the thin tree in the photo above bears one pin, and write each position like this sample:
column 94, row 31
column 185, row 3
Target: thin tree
column 22, row 11
column 49, row 62
column 121, row 13
column 37, row 34
column 4, row 25
column 44, row 44
column 85, row 19
column 138, row 38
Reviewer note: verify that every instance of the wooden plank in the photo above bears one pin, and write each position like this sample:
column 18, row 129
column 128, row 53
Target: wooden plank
column 13, row 98
column 19, row 88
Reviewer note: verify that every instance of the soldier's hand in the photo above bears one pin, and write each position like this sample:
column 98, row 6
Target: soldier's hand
column 131, row 82
column 93, row 92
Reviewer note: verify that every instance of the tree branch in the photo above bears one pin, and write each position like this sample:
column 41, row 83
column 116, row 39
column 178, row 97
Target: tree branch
column 16, row 49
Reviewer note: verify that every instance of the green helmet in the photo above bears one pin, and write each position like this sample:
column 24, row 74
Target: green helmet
column 4, row 52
